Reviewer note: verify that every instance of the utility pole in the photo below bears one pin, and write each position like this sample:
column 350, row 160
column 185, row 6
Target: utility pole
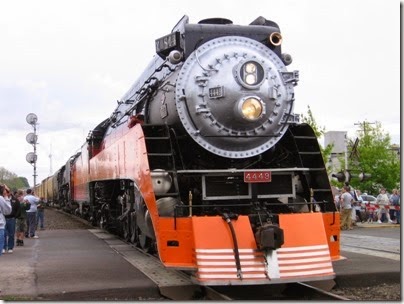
column 346, row 151
column 364, row 125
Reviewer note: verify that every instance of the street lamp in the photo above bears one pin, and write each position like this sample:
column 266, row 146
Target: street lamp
column 32, row 139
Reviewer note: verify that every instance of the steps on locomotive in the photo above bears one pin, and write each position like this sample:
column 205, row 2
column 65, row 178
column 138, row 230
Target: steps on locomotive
column 311, row 157
column 159, row 148
column 160, row 152
column 308, row 152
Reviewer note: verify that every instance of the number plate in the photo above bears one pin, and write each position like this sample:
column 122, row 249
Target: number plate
column 257, row 177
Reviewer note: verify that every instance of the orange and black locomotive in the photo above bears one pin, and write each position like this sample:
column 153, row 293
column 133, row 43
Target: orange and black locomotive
column 204, row 162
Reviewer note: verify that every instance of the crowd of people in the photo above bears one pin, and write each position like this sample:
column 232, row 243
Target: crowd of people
column 349, row 203
column 20, row 215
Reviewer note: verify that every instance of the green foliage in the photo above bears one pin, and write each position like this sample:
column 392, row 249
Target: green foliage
column 309, row 119
column 376, row 158
column 318, row 131
column 12, row 180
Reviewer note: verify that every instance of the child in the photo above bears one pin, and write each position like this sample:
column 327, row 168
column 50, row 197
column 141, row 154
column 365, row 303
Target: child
column 371, row 211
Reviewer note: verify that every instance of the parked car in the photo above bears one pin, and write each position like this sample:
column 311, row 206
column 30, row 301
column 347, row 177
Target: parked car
column 365, row 198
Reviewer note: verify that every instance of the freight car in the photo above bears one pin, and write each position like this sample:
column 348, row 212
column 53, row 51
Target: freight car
column 204, row 162
column 45, row 189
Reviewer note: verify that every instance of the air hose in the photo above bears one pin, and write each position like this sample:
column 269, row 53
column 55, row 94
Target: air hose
column 228, row 217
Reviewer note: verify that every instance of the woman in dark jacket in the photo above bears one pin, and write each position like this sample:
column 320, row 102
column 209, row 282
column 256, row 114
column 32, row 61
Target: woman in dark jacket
column 9, row 233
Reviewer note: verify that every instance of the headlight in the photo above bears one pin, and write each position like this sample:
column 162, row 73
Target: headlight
column 251, row 108
column 250, row 74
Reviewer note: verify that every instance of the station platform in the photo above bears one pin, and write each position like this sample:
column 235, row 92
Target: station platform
column 71, row 265
column 79, row 265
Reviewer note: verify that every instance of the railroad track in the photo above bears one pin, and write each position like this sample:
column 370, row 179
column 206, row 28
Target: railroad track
column 284, row 292
column 177, row 285
column 309, row 292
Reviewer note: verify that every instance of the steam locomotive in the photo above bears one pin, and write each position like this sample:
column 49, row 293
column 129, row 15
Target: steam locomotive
column 204, row 162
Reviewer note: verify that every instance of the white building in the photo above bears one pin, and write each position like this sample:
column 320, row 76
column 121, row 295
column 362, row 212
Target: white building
column 338, row 140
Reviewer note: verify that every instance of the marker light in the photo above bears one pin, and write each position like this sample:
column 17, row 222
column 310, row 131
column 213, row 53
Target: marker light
column 251, row 74
column 250, row 79
column 250, row 67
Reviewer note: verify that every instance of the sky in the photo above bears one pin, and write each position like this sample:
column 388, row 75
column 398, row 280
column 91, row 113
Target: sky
column 69, row 61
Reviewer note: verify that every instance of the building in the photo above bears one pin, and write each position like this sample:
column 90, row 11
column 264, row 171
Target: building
column 338, row 156
column 338, row 140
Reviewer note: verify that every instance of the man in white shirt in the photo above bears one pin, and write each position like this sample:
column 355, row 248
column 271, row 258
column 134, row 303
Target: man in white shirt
column 346, row 208
column 31, row 213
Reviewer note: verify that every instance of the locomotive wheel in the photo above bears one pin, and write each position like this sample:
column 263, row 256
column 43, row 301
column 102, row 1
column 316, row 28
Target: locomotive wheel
column 134, row 239
column 145, row 243
column 126, row 229
column 102, row 222
column 93, row 220
column 99, row 222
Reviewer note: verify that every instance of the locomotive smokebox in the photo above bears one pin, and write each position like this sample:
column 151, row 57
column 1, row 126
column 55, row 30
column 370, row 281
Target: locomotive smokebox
column 236, row 104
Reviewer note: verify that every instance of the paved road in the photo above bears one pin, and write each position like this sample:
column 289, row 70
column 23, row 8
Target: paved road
column 373, row 239
column 372, row 256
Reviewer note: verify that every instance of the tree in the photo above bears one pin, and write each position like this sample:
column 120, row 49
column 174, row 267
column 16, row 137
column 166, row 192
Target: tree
column 376, row 158
column 6, row 175
column 12, row 180
column 318, row 131
column 18, row 183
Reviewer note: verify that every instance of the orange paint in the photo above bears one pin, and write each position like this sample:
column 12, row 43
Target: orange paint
column 303, row 229
column 214, row 232
column 178, row 254
column 333, row 231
